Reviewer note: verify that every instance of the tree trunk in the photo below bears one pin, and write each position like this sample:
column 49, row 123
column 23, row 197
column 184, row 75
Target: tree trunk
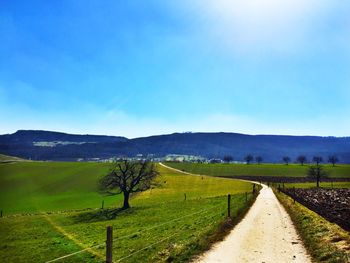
column 126, row 200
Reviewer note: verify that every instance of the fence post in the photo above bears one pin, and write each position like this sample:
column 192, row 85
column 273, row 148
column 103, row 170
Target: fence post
column 229, row 205
column 185, row 196
column 109, row 243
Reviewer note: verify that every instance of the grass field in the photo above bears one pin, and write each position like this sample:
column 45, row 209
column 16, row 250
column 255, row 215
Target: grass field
column 291, row 170
column 182, row 228
column 29, row 187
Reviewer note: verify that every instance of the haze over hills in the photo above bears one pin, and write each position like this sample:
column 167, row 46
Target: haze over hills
column 48, row 145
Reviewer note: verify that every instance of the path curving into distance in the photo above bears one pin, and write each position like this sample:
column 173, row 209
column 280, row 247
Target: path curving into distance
column 266, row 234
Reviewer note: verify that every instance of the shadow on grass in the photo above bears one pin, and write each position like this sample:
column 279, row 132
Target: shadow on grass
column 101, row 215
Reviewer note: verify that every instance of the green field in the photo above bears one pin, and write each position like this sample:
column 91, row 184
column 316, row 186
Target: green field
column 291, row 170
column 182, row 228
column 28, row 187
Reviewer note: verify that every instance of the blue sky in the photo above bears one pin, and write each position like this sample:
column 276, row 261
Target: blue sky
column 137, row 68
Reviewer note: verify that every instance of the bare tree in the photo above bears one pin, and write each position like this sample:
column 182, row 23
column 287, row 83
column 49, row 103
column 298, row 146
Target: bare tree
column 317, row 172
column 317, row 159
column 128, row 177
column 286, row 160
column 248, row 158
column 258, row 159
column 301, row 159
column 228, row 158
column 333, row 159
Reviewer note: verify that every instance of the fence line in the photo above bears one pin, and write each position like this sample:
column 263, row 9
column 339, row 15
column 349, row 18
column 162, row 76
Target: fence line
column 160, row 241
column 80, row 251
column 165, row 223
column 145, row 248
column 126, row 236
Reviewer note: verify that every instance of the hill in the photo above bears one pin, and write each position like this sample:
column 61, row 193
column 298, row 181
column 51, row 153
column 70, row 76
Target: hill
column 8, row 159
column 45, row 145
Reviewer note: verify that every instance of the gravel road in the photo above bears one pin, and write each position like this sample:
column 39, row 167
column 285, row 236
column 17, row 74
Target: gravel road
column 266, row 234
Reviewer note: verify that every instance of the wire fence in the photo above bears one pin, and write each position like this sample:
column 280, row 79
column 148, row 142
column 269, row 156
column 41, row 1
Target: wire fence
column 218, row 209
column 136, row 233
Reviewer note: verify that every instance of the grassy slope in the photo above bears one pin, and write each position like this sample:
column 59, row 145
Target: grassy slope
column 7, row 158
column 43, row 237
column 326, row 242
column 50, row 186
column 292, row 170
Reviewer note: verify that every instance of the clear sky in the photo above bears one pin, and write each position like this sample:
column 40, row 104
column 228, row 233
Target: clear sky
column 137, row 68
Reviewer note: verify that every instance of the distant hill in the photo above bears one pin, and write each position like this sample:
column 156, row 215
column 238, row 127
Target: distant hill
column 29, row 136
column 46, row 145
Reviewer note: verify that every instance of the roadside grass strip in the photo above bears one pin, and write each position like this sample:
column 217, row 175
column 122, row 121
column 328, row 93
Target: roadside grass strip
column 325, row 241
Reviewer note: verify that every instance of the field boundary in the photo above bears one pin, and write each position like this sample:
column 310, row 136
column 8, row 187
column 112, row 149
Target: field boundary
column 325, row 241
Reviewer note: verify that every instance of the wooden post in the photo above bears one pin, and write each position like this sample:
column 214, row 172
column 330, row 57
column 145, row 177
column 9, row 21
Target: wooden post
column 103, row 204
column 229, row 205
column 185, row 196
column 109, row 243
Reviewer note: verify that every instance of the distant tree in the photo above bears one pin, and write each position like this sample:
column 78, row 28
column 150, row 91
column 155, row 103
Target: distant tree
column 228, row 158
column 317, row 160
column 248, row 158
column 128, row 177
column 333, row 159
column 286, row 160
column 301, row 159
column 317, row 172
column 258, row 159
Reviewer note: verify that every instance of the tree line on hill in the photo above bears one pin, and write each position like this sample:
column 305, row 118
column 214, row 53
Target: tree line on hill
column 302, row 159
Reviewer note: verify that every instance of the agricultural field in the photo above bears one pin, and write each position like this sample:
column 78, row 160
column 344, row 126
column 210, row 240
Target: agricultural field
column 331, row 203
column 31, row 187
column 160, row 226
column 322, row 185
column 271, row 170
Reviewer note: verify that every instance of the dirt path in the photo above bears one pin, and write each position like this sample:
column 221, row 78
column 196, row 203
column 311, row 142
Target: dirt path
column 265, row 235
